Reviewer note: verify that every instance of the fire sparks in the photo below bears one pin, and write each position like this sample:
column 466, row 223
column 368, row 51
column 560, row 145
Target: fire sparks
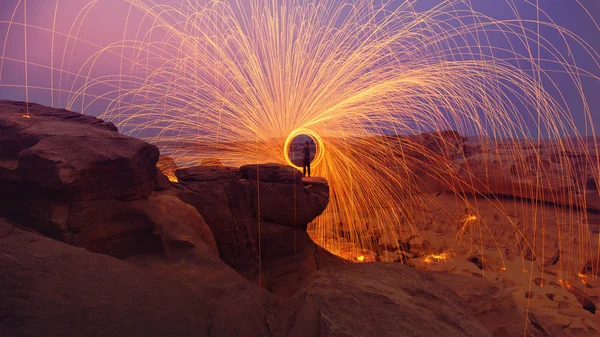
column 565, row 284
column 441, row 257
column 471, row 218
column 360, row 258
column 466, row 221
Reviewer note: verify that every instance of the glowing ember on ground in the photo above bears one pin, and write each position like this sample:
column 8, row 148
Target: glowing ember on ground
column 442, row 257
column 565, row 284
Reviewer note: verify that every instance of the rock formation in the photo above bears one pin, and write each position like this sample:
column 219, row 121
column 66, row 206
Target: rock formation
column 520, row 214
column 73, row 188
column 541, row 176
column 76, row 179
column 51, row 287
column 258, row 215
column 375, row 294
column 562, row 172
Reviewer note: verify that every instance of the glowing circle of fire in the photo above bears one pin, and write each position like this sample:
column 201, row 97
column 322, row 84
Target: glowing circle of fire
column 237, row 80
column 319, row 152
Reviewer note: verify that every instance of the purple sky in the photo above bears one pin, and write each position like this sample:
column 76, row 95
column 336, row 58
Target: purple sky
column 106, row 24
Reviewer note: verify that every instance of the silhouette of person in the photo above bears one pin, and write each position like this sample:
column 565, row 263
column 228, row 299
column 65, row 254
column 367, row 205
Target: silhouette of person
column 306, row 165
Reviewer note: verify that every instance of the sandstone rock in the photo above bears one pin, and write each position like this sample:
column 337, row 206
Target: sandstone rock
column 18, row 109
column 562, row 173
column 110, row 226
column 489, row 302
column 76, row 179
column 178, row 224
column 387, row 299
column 225, row 203
column 531, row 248
column 587, row 296
column 448, row 144
column 162, row 182
column 62, row 290
column 426, row 159
column 251, row 214
column 281, row 196
column 519, row 174
column 72, row 176
column 55, row 154
column 54, row 289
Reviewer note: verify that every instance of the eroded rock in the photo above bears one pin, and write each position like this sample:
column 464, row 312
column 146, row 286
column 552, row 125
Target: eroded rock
column 72, row 177
column 374, row 294
column 62, row 290
column 258, row 215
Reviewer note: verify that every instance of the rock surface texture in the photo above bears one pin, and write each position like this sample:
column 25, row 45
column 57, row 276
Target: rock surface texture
column 49, row 288
column 521, row 216
column 77, row 194
column 62, row 290
column 375, row 294
column 258, row 215
column 76, row 179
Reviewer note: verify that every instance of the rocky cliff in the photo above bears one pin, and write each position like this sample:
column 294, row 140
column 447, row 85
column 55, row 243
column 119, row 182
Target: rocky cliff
column 258, row 215
column 76, row 179
column 99, row 243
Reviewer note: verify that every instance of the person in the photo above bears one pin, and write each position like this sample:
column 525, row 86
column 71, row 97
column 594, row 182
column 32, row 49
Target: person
column 306, row 165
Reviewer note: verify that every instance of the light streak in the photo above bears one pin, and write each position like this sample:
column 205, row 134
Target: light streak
column 441, row 257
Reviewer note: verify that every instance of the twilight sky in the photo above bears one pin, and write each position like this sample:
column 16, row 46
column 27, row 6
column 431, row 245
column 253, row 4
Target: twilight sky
column 105, row 24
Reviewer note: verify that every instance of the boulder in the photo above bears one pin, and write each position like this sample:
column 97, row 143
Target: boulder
column 65, row 157
column 178, row 224
column 76, row 179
